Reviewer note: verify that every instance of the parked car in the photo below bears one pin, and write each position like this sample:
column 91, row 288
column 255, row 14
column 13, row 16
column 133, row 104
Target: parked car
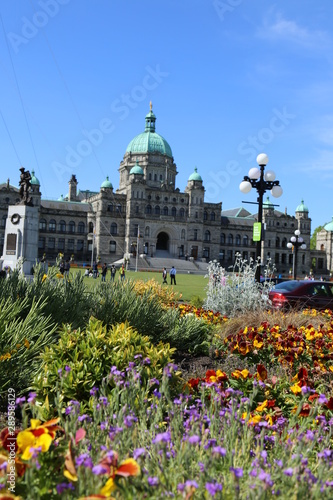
column 301, row 294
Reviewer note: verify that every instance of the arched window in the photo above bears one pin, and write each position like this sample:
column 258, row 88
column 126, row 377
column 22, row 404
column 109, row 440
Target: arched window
column 284, row 243
column 165, row 211
column 181, row 212
column 212, row 216
column 71, row 227
column 81, row 228
column 245, row 240
column 157, row 210
column 110, row 208
column 91, row 227
column 238, row 240
column 62, row 226
column 148, row 209
column 113, row 229
column 149, row 177
column 147, row 231
column 277, row 242
column 52, row 225
column 182, row 235
column 222, row 238
column 3, row 221
column 230, row 239
column 173, row 212
column 155, row 177
column 207, row 235
column 42, row 225
column 205, row 215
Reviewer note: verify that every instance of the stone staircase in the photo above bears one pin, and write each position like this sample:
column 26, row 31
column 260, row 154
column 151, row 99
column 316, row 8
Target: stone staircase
column 182, row 266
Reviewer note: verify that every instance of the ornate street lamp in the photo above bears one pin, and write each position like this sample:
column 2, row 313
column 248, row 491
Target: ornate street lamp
column 295, row 243
column 262, row 181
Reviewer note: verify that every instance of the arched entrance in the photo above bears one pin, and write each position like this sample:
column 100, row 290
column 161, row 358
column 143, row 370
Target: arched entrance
column 162, row 241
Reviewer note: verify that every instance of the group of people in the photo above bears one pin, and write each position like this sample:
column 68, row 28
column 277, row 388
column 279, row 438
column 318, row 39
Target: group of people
column 64, row 267
column 94, row 272
column 172, row 274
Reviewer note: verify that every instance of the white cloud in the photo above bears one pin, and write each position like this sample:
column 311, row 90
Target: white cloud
column 281, row 29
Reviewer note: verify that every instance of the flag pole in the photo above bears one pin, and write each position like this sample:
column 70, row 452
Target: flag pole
column 137, row 250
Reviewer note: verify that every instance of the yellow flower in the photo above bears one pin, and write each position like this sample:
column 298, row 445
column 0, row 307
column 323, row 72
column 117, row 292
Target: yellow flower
column 261, row 407
column 36, row 436
column 295, row 389
column 331, row 368
column 26, row 343
column 245, row 373
column 44, row 278
column 255, row 420
column 257, row 344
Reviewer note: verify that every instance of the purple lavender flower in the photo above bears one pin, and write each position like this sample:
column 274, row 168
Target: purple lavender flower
column 93, row 391
column 218, row 450
column 61, row 487
column 213, row 488
column 322, row 399
column 99, row 469
column 153, row 481
column 288, row 472
column 138, row 452
column 20, row 400
column 194, row 439
column 67, row 369
column 237, row 471
column 81, row 418
column 60, row 372
column 191, row 483
column 163, row 437
column 146, row 361
column 157, row 394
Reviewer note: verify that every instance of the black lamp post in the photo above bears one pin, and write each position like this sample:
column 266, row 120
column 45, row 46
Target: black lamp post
column 295, row 243
column 262, row 181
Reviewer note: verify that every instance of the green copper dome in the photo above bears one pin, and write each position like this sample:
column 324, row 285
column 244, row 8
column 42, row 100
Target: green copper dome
column 195, row 176
column 136, row 169
column 329, row 226
column 268, row 204
column 34, row 181
column 149, row 141
column 302, row 207
column 107, row 183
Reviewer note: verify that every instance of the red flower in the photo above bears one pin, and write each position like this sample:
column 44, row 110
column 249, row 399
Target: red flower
column 262, row 372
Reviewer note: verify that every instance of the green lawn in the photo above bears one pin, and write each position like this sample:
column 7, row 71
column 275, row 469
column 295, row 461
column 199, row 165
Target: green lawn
column 189, row 285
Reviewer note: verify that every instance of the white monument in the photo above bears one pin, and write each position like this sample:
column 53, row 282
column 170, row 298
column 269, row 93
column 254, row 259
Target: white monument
column 22, row 231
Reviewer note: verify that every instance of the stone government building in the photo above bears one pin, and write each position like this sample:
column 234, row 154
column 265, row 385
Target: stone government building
column 169, row 222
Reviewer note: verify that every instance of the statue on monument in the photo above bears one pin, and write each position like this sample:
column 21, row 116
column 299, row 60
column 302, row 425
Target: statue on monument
column 25, row 186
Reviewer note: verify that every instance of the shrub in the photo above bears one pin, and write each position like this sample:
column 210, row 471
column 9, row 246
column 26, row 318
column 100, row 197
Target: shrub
column 238, row 292
column 190, row 333
column 21, row 341
column 83, row 358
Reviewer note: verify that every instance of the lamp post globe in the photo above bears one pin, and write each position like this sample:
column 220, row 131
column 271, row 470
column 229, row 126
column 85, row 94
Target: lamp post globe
column 296, row 243
column 262, row 182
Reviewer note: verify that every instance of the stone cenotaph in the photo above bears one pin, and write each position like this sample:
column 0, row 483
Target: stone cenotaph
column 22, row 230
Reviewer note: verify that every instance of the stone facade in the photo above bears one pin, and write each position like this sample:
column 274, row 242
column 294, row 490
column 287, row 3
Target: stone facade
column 150, row 211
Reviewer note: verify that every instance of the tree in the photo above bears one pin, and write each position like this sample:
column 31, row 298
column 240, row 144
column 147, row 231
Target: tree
column 313, row 239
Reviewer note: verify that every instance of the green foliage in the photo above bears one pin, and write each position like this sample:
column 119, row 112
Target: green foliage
column 313, row 239
column 197, row 301
column 191, row 334
column 21, row 341
column 82, row 359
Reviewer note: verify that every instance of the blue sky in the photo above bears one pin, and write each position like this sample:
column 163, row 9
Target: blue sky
column 228, row 80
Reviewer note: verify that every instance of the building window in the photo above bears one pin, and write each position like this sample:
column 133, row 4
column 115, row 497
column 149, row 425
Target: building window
column 206, row 253
column 303, row 259
column 238, row 240
column 207, row 235
column 3, row 221
column 41, row 242
column 136, row 230
column 61, row 244
column 245, row 255
column 81, row 227
column 173, row 212
column 161, row 177
column 230, row 239
column 62, row 226
column 148, row 209
column 149, row 177
column 147, row 231
column 182, row 234
column 284, row 243
column 222, row 254
column 195, row 234
column 71, row 227
column 212, row 216
column 155, row 177
column 157, row 210
column 79, row 245
column 205, row 215
column 196, row 215
column 113, row 229
column 181, row 212
column 110, row 208
column 52, row 225
column 277, row 242
column 113, row 247
column 283, row 258
column 277, row 258
column 136, row 209
column 118, row 209
column 245, row 240
column 222, row 239
column 229, row 255
column 90, row 227
column 51, row 243
column 42, row 225
column 70, row 245
column 165, row 211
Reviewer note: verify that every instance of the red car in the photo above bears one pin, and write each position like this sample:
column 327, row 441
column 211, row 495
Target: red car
column 302, row 294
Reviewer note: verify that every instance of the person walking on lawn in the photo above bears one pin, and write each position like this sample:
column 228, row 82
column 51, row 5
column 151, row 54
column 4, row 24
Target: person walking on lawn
column 164, row 276
column 173, row 275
